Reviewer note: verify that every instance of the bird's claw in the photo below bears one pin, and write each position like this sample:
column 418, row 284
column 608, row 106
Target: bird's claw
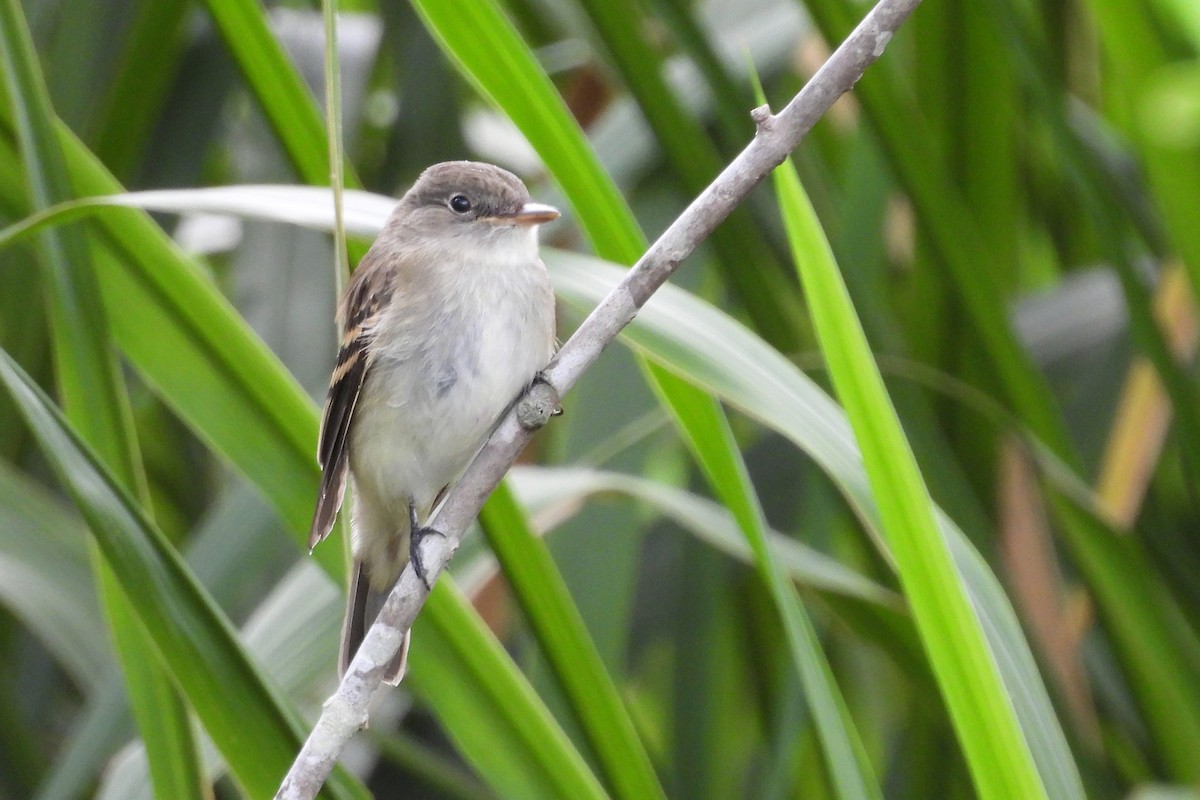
column 539, row 404
column 416, row 535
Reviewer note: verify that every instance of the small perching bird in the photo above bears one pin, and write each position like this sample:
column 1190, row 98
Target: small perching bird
column 448, row 317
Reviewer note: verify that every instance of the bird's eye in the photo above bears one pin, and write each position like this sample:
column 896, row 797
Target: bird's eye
column 460, row 203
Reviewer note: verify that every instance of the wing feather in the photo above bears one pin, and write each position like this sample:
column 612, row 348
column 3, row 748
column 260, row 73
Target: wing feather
column 365, row 301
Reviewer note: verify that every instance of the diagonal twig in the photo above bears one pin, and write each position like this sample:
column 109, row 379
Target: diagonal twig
column 777, row 135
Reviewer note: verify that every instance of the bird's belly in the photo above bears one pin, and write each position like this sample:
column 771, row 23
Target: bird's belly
column 422, row 419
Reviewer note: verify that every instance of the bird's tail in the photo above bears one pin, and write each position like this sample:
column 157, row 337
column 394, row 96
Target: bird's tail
column 361, row 610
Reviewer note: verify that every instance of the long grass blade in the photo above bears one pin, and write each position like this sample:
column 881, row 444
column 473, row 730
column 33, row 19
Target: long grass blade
column 544, row 598
column 523, row 753
column 254, row 728
column 988, row 731
column 96, row 402
column 711, row 440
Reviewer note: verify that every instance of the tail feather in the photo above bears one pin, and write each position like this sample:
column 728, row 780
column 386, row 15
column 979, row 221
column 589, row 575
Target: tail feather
column 361, row 610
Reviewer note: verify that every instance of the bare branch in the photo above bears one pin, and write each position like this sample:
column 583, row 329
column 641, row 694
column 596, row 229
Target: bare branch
column 777, row 135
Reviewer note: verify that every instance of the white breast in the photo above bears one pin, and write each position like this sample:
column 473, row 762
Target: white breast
column 444, row 369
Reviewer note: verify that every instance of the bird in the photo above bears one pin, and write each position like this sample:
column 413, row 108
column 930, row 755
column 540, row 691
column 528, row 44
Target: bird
column 449, row 316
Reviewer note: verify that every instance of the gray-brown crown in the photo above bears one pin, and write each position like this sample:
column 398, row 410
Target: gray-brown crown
column 484, row 190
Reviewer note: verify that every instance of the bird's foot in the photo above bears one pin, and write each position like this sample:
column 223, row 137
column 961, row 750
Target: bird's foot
column 416, row 536
column 539, row 404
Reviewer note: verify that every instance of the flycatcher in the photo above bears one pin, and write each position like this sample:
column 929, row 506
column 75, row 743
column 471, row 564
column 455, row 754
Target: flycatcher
column 448, row 317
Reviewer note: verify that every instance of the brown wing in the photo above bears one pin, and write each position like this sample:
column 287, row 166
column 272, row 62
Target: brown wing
column 366, row 299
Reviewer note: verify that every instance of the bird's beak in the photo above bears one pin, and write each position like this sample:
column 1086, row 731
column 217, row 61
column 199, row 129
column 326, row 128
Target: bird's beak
column 534, row 214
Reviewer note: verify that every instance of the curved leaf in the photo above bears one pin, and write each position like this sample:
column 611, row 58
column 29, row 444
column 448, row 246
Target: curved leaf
column 553, row 492
column 968, row 675
column 45, row 580
column 251, row 725
column 544, row 597
column 95, row 400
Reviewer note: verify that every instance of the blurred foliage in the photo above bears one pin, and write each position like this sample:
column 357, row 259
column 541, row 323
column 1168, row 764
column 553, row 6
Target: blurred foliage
column 1011, row 196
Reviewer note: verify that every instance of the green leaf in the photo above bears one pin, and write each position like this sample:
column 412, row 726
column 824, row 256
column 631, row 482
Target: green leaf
column 972, row 272
column 148, row 66
column 494, row 716
column 547, row 604
column 490, row 52
column 250, row 724
column 86, row 370
column 288, row 105
column 554, row 491
column 719, row 354
column 709, row 436
column 45, row 579
column 988, row 730
column 478, row 36
column 1157, row 644
column 770, row 299
column 292, row 633
column 103, row 726
column 95, row 400
column 1120, row 574
column 333, row 132
column 194, row 349
column 286, row 101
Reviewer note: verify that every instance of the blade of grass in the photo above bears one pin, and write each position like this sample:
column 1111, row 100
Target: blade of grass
column 153, row 48
column 988, row 731
column 536, row 759
column 730, row 99
column 1113, row 211
column 96, row 402
column 337, row 176
column 191, row 346
column 552, row 492
column 721, row 355
column 103, row 726
column 304, row 206
column 763, row 289
column 288, row 105
column 544, row 598
column 1157, row 648
column 45, row 580
column 435, row 769
column 333, row 127
column 1147, row 79
column 952, row 231
column 711, row 440
column 286, row 101
column 84, row 367
column 254, row 729
column 24, row 329
column 490, row 53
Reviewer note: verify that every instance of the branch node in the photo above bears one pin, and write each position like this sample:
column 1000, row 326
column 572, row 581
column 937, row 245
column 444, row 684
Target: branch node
column 764, row 120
